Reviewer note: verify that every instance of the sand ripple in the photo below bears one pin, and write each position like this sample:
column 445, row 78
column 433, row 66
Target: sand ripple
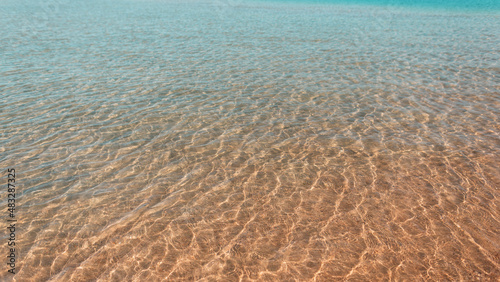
column 156, row 142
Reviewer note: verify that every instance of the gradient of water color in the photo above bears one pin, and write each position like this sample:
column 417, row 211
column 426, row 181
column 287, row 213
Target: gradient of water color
column 249, row 141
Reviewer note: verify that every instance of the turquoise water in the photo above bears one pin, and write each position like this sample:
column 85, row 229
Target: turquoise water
column 463, row 5
column 249, row 140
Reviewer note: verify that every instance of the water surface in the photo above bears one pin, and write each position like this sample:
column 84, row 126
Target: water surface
column 235, row 140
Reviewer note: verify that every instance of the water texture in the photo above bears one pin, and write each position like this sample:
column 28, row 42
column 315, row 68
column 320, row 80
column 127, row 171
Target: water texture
column 250, row 141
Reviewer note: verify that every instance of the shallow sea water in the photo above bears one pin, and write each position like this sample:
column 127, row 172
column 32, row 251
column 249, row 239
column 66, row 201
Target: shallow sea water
column 240, row 141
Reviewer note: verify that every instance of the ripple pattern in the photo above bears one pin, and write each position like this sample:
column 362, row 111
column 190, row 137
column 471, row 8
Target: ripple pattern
column 235, row 141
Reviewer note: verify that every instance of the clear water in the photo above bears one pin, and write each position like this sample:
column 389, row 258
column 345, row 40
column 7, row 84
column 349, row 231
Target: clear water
column 236, row 140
